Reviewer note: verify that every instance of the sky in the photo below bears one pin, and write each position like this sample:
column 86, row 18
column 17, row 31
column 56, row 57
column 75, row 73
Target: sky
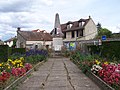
column 40, row 14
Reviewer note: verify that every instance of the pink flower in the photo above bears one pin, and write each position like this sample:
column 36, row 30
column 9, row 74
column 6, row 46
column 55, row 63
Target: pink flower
column 28, row 66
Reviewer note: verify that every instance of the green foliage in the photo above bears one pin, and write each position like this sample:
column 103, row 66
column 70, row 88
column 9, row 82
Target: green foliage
column 66, row 53
column 104, row 31
column 84, row 61
column 3, row 53
column 18, row 50
column 109, row 50
column 33, row 59
column 9, row 51
column 16, row 56
column 14, row 42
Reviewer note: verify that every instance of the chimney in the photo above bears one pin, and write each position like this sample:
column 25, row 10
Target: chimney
column 89, row 17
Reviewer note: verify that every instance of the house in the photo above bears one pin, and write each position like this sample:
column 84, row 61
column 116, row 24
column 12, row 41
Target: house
column 10, row 42
column 1, row 42
column 33, row 39
column 116, row 35
column 83, row 29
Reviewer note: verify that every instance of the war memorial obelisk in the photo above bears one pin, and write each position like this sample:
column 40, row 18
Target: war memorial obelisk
column 57, row 35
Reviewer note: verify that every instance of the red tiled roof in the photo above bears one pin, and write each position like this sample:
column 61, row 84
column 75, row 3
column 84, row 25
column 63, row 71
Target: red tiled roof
column 35, row 36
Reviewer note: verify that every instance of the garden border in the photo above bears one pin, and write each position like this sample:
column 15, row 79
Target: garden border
column 24, row 77
column 103, row 85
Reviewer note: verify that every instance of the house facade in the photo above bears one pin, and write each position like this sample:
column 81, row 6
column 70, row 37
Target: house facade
column 83, row 29
column 1, row 42
column 33, row 39
column 10, row 41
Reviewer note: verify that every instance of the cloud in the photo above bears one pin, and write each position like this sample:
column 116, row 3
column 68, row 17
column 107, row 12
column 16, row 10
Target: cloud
column 47, row 2
column 15, row 5
column 114, row 29
column 40, row 14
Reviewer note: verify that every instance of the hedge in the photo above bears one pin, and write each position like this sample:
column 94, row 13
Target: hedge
column 108, row 49
column 3, row 53
column 18, row 50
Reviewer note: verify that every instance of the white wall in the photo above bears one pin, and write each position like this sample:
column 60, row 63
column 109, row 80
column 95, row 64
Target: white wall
column 20, row 40
column 10, row 43
column 39, row 43
column 90, row 30
column 33, row 42
column 69, row 36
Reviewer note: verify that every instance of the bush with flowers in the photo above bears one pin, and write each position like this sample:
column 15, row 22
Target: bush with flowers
column 18, row 64
column 108, row 72
column 12, row 68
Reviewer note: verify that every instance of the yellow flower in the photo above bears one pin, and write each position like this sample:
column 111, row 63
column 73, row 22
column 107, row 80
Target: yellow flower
column 97, row 62
column 21, row 58
column 0, row 64
column 13, row 62
column 18, row 65
column 9, row 60
column 106, row 63
column 21, row 65
column 8, row 67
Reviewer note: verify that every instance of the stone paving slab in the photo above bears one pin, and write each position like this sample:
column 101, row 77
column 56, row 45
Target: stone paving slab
column 58, row 74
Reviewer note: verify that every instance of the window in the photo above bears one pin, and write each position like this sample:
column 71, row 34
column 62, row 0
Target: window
column 69, row 26
column 65, row 35
column 36, row 46
column 81, row 32
column 55, row 31
column 72, row 34
column 77, row 33
column 81, row 24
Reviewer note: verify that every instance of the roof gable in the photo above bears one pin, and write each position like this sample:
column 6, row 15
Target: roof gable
column 35, row 36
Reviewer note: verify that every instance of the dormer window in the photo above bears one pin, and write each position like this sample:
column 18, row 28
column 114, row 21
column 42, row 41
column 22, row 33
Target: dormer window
column 69, row 25
column 81, row 23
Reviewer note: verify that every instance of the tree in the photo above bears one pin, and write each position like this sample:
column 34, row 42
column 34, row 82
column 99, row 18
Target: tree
column 99, row 26
column 104, row 31
column 14, row 42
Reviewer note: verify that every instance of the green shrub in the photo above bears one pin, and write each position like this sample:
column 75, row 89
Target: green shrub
column 108, row 49
column 83, row 61
column 34, row 59
column 3, row 53
column 16, row 56
column 18, row 50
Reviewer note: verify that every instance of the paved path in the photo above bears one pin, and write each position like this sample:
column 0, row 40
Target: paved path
column 58, row 74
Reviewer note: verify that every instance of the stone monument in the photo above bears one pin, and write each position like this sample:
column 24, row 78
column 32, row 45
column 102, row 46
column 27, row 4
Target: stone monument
column 57, row 35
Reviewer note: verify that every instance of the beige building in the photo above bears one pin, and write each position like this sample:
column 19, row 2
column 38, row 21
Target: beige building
column 33, row 39
column 83, row 29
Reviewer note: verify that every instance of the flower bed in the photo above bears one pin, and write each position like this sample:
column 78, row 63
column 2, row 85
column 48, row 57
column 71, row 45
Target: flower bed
column 12, row 68
column 17, row 66
column 109, row 72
